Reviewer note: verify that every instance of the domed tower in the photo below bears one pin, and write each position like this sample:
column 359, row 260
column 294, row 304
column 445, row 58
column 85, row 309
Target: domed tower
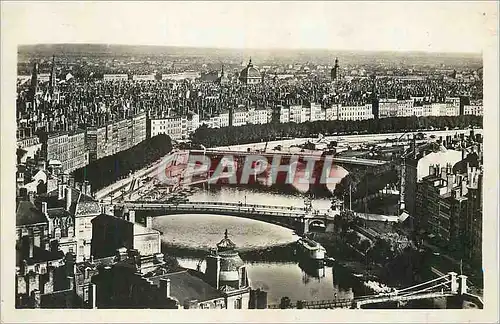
column 250, row 75
column 225, row 267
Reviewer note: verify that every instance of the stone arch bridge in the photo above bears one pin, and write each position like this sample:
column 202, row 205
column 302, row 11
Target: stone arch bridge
column 299, row 219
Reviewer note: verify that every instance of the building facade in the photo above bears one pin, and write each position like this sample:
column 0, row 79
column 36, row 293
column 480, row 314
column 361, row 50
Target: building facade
column 69, row 148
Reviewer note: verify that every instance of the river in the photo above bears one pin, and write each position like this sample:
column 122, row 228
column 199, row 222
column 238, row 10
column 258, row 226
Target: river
column 279, row 279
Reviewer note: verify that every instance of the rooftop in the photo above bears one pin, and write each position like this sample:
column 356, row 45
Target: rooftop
column 28, row 214
column 57, row 212
column 39, row 255
column 185, row 285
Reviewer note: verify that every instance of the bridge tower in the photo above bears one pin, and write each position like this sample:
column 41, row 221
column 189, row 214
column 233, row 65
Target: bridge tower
column 458, row 286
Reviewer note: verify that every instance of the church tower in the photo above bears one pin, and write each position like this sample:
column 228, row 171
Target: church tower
column 335, row 70
column 53, row 93
column 34, row 85
column 53, row 75
column 223, row 79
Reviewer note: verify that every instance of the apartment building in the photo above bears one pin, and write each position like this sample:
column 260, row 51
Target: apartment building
column 68, row 148
column 360, row 112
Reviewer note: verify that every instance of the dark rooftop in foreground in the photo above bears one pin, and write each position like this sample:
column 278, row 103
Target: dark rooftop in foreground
column 28, row 214
column 184, row 285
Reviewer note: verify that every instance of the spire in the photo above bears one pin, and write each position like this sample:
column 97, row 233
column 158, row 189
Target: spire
column 53, row 75
column 225, row 244
column 250, row 62
column 34, row 83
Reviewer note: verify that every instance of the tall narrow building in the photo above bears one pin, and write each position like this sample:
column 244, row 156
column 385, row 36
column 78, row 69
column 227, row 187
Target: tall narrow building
column 53, row 76
column 335, row 70
column 34, row 85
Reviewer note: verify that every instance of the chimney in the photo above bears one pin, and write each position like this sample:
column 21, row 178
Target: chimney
column 35, row 297
column 50, row 271
column 149, row 222
column 450, row 181
column 92, row 295
column 443, row 173
column 449, row 168
column 60, row 191
column 121, row 254
column 159, row 257
column 165, row 287
column 31, row 241
column 71, row 181
column 131, row 216
column 54, row 246
column 68, row 197
column 46, row 244
column 71, row 283
column 44, row 208
column 31, row 197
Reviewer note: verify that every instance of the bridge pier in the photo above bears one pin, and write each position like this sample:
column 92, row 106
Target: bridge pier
column 306, row 226
column 131, row 216
column 462, row 284
column 330, row 227
column 458, row 287
column 452, row 276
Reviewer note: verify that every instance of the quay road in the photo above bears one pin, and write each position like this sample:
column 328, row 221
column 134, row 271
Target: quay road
column 351, row 139
column 113, row 190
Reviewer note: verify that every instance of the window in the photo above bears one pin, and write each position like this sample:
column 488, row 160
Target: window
column 237, row 303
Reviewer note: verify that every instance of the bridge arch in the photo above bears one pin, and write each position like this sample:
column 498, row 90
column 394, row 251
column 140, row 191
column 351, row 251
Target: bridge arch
column 317, row 223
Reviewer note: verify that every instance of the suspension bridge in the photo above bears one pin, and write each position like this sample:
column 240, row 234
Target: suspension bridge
column 449, row 285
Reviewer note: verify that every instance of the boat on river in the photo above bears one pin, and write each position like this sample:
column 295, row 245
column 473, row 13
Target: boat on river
column 311, row 249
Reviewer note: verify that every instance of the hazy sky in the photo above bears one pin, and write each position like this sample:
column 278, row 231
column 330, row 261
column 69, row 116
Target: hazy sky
column 423, row 26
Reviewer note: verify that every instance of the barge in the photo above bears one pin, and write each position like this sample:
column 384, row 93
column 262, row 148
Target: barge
column 311, row 250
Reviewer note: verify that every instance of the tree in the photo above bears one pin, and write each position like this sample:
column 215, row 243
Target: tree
column 364, row 245
column 285, row 303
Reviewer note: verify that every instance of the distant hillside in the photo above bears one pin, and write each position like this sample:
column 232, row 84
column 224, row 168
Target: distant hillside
column 259, row 55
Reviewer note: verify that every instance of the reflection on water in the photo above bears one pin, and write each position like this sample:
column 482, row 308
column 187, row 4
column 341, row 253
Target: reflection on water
column 279, row 279
column 204, row 231
column 235, row 195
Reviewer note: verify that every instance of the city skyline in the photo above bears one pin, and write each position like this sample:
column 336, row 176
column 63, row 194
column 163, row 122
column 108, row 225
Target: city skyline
column 354, row 26
column 320, row 155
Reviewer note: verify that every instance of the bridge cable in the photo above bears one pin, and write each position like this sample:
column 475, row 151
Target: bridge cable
column 423, row 283
column 404, row 289
column 425, row 289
